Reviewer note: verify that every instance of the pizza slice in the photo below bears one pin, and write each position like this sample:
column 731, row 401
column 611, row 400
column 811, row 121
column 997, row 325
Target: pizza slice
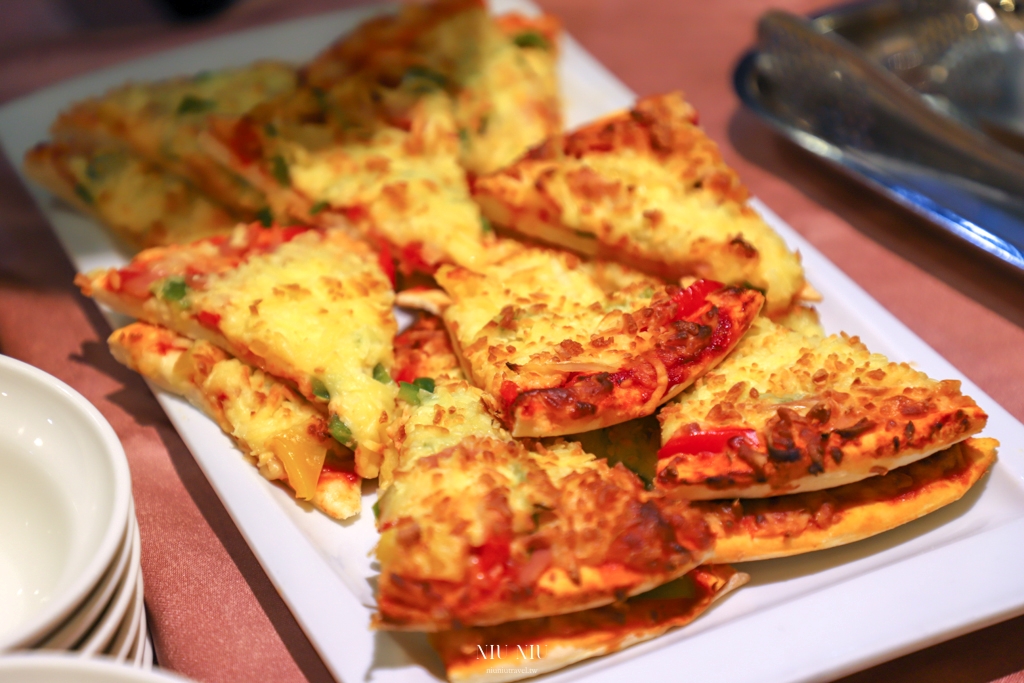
column 312, row 308
column 785, row 414
column 646, row 187
column 284, row 435
column 560, row 355
column 522, row 649
column 163, row 121
column 140, row 203
column 500, row 72
column 478, row 528
column 764, row 528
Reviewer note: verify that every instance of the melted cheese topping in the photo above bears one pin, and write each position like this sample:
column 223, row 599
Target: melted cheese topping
column 826, row 412
column 321, row 309
column 648, row 188
column 141, row 204
column 163, row 122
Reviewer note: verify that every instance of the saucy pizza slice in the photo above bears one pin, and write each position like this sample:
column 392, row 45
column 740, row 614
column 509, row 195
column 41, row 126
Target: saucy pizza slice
column 478, row 528
column 560, row 355
column 764, row 528
column 312, row 308
column 139, row 202
column 284, row 435
column 646, row 187
column 522, row 649
column 785, row 413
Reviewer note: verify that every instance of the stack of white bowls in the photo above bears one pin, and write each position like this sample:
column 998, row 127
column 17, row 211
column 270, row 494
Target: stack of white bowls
column 70, row 576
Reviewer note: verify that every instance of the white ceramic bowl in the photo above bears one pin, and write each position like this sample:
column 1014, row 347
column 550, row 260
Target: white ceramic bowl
column 54, row 668
column 64, row 492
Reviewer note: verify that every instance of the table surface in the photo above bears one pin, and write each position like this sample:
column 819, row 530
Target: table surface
column 214, row 616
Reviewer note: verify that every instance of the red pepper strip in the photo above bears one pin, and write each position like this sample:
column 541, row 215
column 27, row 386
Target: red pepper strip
column 693, row 298
column 494, row 552
column 509, row 393
column 386, row 260
column 207, row 319
column 706, row 441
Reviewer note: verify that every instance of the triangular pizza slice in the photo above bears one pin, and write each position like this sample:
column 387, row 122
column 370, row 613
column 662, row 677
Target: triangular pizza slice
column 313, row 308
column 523, row 649
column 163, row 122
column 560, row 355
column 478, row 528
column 646, row 187
column 786, row 413
column 284, row 435
column 138, row 201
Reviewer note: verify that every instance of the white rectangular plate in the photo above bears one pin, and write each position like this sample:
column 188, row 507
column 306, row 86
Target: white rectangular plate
column 814, row 617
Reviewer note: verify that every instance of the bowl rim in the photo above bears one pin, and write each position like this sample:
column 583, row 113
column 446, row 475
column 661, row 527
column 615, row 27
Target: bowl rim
column 70, row 663
column 64, row 604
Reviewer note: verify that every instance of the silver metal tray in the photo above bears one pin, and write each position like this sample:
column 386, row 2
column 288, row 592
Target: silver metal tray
column 922, row 100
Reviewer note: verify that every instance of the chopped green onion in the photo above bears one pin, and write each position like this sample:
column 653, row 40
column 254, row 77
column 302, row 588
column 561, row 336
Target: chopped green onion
column 103, row 165
column 270, row 129
column 410, row 393
column 190, row 104
column 174, row 288
column 318, row 207
column 340, row 431
column 376, row 510
column 425, row 73
column 280, row 170
column 84, row 194
column 531, row 39
column 485, row 225
column 424, row 383
column 380, row 373
column 319, row 389
column 464, row 137
column 266, row 218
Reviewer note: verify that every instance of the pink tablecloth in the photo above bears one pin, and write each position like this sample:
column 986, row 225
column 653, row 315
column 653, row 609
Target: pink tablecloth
column 214, row 614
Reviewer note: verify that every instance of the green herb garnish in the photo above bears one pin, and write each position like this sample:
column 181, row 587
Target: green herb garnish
column 424, row 73
column 280, row 170
column 265, row 217
column 380, row 373
column 531, row 39
column 340, row 431
column 270, row 129
column 190, row 104
column 319, row 389
column 424, row 383
column 84, row 194
column 376, row 510
column 485, row 225
column 174, row 288
column 318, row 207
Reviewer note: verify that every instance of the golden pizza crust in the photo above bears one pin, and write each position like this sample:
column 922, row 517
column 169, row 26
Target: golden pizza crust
column 282, row 434
column 760, row 529
column 536, row 646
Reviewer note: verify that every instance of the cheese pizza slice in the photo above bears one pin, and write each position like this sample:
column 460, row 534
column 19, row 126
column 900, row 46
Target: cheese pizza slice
column 646, row 187
column 309, row 307
column 164, row 121
column 500, row 72
column 478, row 528
column 523, row 649
column 284, row 435
column 139, row 202
column 561, row 356
column 785, row 413
column 764, row 528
